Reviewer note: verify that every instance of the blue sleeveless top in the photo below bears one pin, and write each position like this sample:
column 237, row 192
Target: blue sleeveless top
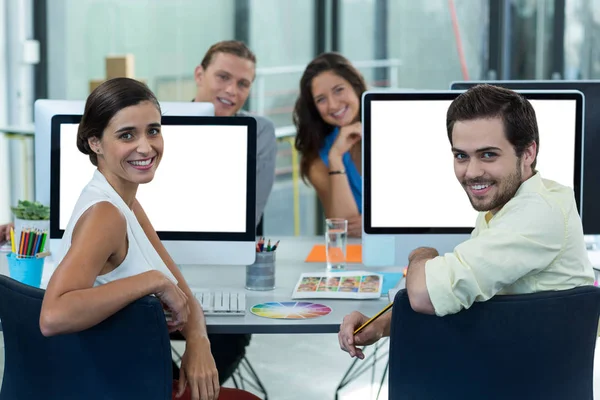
column 354, row 177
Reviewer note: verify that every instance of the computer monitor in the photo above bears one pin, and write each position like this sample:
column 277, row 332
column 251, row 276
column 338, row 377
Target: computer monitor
column 411, row 197
column 591, row 127
column 45, row 109
column 202, row 198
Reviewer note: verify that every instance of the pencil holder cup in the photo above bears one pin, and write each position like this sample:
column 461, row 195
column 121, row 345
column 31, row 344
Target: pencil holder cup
column 27, row 270
column 261, row 274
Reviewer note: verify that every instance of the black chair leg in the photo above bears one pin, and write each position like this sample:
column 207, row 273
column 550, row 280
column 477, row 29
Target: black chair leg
column 355, row 370
column 253, row 380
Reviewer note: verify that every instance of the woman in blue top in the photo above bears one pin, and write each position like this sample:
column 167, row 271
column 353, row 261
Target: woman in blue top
column 329, row 131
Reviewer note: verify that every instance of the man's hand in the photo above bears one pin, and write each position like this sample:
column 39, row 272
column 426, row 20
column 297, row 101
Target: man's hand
column 198, row 370
column 369, row 335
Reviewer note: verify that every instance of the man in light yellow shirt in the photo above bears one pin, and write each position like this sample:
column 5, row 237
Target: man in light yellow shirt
column 528, row 236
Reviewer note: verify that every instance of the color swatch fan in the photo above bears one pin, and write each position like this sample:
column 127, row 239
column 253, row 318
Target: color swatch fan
column 290, row 310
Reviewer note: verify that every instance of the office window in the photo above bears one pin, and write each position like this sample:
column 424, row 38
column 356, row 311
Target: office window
column 281, row 35
column 532, row 35
column 360, row 37
column 358, row 33
column 167, row 37
column 437, row 41
column 582, row 39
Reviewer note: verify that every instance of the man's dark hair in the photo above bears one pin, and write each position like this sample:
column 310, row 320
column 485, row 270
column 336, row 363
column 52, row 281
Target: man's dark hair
column 235, row 47
column 487, row 101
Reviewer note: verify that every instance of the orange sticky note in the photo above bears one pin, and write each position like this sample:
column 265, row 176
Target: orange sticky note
column 353, row 254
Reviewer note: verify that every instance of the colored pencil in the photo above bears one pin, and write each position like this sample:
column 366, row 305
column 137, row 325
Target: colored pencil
column 30, row 241
column 43, row 244
column 13, row 246
column 21, row 243
column 42, row 255
column 380, row 313
column 38, row 241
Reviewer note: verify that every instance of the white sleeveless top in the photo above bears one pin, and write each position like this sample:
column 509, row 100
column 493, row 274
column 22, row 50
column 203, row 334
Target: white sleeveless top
column 141, row 255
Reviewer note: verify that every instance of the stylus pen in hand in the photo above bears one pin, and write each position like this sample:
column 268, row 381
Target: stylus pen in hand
column 379, row 314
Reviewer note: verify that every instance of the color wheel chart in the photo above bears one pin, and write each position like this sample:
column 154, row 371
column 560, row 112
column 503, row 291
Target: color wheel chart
column 290, row 310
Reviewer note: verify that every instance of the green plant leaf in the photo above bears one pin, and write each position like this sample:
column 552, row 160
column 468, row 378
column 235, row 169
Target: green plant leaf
column 29, row 210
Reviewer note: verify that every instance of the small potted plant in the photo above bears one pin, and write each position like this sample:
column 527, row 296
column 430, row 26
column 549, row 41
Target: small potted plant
column 31, row 215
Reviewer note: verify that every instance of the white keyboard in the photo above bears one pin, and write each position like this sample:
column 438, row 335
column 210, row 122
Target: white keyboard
column 223, row 303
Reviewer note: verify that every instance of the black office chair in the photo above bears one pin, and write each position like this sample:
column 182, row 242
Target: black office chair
column 533, row 346
column 127, row 356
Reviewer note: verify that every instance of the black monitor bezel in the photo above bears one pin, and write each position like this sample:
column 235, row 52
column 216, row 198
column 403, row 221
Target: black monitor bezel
column 250, row 230
column 369, row 97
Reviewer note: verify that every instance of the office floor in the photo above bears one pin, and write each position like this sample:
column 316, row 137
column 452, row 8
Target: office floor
column 316, row 369
column 312, row 365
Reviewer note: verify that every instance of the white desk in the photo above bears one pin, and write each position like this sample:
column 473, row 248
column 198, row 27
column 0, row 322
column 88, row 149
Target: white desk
column 291, row 253
column 289, row 265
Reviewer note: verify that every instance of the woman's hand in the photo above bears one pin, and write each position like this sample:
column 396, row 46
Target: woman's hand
column 198, row 370
column 355, row 226
column 176, row 301
column 349, row 135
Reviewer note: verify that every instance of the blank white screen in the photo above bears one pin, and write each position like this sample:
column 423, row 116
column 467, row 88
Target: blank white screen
column 199, row 185
column 412, row 168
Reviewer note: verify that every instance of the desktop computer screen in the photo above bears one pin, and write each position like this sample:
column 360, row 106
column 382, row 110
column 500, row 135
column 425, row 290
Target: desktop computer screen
column 591, row 127
column 202, row 199
column 411, row 194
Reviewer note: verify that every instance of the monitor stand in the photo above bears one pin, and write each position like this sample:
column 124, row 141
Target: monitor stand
column 393, row 250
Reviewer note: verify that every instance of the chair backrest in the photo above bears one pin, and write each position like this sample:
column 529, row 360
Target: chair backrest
column 127, row 356
column 532, row 346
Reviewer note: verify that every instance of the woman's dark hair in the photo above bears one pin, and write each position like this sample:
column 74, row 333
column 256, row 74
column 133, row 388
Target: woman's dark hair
column 310, row 127
column 487, row 101
column 103, row 103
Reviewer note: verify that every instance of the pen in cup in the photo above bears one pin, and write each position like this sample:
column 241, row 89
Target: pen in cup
column 262, row 247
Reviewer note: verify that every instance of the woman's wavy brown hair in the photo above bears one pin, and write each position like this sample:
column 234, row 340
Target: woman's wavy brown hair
column 310, row 127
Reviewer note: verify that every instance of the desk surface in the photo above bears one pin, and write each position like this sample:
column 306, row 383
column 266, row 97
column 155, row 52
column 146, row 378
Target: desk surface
column 289, row 265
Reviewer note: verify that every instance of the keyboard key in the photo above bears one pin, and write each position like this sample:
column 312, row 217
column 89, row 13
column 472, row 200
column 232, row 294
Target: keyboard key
column 221, row 302
column 242, row 303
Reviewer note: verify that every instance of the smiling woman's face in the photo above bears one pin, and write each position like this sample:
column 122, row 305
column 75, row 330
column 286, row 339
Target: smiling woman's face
column 132, row 144
column 335, row 99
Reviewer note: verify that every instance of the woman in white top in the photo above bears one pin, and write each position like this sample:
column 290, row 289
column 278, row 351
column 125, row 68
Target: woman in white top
column 112, row 255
